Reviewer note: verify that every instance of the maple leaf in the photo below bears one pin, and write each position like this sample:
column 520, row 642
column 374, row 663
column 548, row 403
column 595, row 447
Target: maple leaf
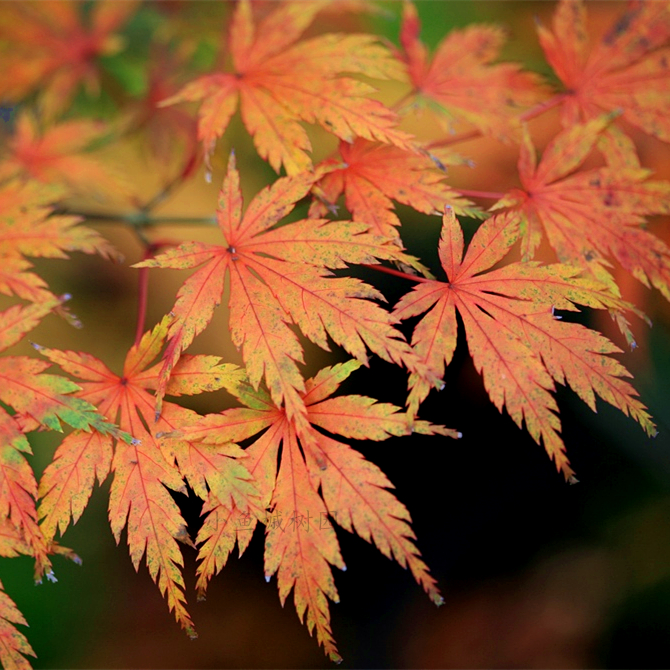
column 371, row 175
column 627, row 71
column 143, row 470
column 27, row 228
column 590, row 215
column 515, row 341
column 57, row 155
column 47, row 47
column 14, row 646
column 279, row 276
column 355, row 492
column 39, row 399
column 279, row 83
column 461, row 82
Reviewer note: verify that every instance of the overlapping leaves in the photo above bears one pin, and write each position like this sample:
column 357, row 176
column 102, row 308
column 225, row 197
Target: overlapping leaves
column 280, row 276
column 143, row 470
column 300, row 543
column 279, row 82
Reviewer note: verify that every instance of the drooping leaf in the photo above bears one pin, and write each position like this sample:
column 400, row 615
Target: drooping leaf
column 628, row 71
column 591, row 215
column 279, row 276
column 300, row 542
column 515, row 341
column 371, row 175
column 462, row 83
column 279, row 82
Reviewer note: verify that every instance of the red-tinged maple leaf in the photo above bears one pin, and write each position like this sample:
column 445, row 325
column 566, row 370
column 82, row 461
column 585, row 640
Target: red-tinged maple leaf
column 515, row 341
column 57, row 155
column 143, row 470
column 28, row 229
column 12, row 541
column 371, row 175
column 46, row 46
column 44, row 400
column 14, row 647
column 629, row 70
column 461, row 82
column 279, row 276
column 279, row 83
column 300, row 541
column 590, row 215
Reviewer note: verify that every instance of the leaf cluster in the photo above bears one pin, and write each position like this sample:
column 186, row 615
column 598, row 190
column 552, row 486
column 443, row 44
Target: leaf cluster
column 281, row 459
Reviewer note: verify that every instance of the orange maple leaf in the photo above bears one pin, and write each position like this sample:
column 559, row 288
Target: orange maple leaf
column 27, row 229
column 143, row 470
column 47, row 46
column 279, row 276
column 279, row 83
column 461, row 82
column 590, row 215
column 628, row 70
column 515, row 341
column 57, row 155
column 371, row 175
column 40, row 400
column 300, row 541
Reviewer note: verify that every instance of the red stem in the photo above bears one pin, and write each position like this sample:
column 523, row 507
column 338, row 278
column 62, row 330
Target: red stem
column 480, row 194
column 529, row 114
column 396, row 273
column 150, row 250
column 455, row 139
column 545, row 106
column 143, row 291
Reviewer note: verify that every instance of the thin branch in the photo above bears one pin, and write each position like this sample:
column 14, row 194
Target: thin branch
column 141, row 220
column 545, row 106
column 455, row 139
column 396, row 273
column 529, row 114
column 493, row 195
column 142, row 297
